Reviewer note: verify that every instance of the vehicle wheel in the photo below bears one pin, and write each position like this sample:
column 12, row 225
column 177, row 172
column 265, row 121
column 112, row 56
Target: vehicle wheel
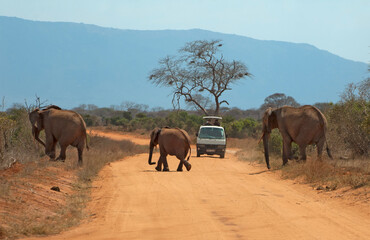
column 222, row 155
column 198, row 154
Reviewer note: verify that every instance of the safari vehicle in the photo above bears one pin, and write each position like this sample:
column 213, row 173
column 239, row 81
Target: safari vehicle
column 211, row 137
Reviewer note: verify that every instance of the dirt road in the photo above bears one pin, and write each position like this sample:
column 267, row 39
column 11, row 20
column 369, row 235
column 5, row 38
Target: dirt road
column 217, row 199
column 117, row 136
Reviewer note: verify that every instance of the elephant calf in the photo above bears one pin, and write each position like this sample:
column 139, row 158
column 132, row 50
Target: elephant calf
column 304, row 125
column 172, row 141
column 63, row 126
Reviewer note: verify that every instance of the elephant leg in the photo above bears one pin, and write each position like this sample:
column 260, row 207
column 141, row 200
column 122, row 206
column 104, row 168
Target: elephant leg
column 183, row 162
column 179, row 168
column 302, row 151
column 320, row 147
column 62, row 155
column 165, row 164
column 80, row 152
column 287, row 145
column 159, row 164
column 50, row 147
column 187, row 165
column 53, row 148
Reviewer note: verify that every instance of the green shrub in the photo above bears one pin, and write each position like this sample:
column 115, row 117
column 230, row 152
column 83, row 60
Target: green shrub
column 349, row 121
column 242, row 128
column 276, row 143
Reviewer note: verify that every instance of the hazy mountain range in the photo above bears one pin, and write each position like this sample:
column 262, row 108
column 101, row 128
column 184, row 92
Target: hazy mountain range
column 70, row 63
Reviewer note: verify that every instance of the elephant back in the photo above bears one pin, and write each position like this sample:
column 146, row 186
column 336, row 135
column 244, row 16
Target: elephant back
column 321, row 116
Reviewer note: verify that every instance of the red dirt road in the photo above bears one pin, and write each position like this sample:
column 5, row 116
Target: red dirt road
column 217, row 199
column 117, row 136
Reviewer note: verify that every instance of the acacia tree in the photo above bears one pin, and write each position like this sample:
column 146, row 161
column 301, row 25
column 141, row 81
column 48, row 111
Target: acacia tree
column 277, row 100
column 198, row 70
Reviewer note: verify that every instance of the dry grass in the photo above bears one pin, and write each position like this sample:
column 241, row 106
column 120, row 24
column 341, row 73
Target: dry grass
column 19, row 189
column 247, row 149
column 4, row 187
column 103, row 151
column 37, row 223
column 333, row 174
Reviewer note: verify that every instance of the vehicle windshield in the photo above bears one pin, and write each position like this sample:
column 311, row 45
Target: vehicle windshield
column 211, row 133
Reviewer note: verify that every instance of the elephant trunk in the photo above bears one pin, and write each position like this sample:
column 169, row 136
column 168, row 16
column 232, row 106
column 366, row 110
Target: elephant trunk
column 36, row 133
column 266, row 148
column 151, row 147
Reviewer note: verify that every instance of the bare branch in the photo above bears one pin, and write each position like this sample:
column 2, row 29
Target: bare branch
column 198, row 69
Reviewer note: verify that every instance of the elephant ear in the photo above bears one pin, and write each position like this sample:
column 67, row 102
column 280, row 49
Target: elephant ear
column 269, row 120
column 34, row 116
column 272, row 119
column 37, row 118
column 154, row 136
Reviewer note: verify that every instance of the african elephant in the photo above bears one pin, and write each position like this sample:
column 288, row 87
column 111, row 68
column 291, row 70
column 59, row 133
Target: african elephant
column 304, row 125
column 63, row 126
column 172, row 141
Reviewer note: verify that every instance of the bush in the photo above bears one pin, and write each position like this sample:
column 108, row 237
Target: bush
column 239, row 128
column 91, row 120
column 349, row 121
column 242, row 128
column 275, row 143
column 16, row 140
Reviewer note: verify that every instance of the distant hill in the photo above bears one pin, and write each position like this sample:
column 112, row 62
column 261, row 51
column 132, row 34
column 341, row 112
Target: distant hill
column 70, row 64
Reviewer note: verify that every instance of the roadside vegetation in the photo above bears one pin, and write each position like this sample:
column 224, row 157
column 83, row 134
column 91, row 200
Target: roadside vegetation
column 348, row 137
column 237, row 123
column 28, row 206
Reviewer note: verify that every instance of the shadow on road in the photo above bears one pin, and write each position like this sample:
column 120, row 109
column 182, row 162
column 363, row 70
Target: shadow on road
column 256, row 173
column 171, row 171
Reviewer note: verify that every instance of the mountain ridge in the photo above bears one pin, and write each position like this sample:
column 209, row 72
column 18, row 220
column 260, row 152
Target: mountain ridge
column 74, row 63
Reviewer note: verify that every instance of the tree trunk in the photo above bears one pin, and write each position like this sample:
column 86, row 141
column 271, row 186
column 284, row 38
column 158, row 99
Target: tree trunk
column 217, row 110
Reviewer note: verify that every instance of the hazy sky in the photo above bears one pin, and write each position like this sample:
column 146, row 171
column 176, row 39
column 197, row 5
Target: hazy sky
column 339, row 26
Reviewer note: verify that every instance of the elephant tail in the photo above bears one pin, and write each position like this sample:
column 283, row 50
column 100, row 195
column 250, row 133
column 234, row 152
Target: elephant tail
column 324, row 125
column 87, row 146
column 328, row 150
column 189, row 152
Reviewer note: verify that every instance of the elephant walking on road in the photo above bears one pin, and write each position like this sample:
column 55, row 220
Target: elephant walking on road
column 172, row 141
column 305, row 125
column 63, row 126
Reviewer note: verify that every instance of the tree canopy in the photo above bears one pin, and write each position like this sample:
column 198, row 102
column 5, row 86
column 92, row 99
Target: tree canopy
column 277, row 100
column 199, row 73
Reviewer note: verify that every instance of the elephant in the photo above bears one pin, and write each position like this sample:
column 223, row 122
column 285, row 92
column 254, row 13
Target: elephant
column 172, row 141
column 63, row 126
column 304, row 125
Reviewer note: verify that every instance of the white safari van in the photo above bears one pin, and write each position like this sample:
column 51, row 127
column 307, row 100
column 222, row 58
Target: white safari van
column 211, row 137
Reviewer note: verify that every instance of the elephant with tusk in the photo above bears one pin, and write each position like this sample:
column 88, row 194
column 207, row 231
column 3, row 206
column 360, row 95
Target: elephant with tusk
column 172, row 141
column 63, row 126
column 304, row 125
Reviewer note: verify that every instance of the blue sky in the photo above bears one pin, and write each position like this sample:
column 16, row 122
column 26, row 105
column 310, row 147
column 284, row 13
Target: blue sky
column 339, row 26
